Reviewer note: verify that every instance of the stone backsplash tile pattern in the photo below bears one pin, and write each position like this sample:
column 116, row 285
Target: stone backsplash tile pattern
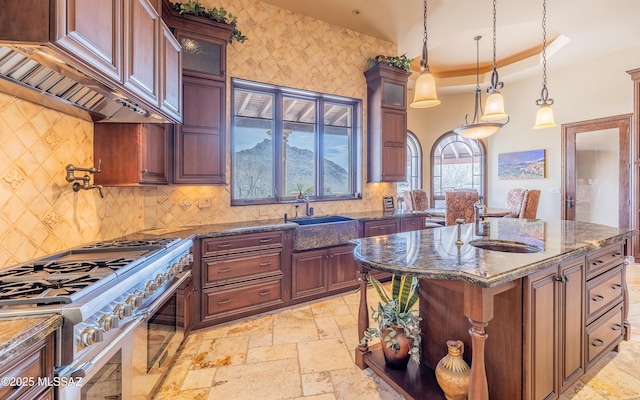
column 40, row 214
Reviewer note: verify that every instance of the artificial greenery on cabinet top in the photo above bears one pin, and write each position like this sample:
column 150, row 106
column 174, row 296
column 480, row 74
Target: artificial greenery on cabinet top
column 215, row 14
column 402, row 62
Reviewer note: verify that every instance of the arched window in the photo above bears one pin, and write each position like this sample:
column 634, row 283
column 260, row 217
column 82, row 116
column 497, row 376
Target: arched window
column 414, row 166
column 456, row 163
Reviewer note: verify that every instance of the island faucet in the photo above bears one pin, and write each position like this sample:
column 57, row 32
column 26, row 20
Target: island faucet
column 481, row 224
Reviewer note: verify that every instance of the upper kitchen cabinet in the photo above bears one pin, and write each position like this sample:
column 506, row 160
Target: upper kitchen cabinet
column 91, row 30
column 200, row 141
column 386, row 123
column 115, row 59
column 131, row 154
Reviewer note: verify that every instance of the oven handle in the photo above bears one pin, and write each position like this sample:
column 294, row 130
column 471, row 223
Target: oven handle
column 84, row 369
column 146, row 312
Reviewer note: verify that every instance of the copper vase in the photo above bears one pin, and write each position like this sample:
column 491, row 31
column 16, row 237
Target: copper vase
column 452, row 372
column 396, row 355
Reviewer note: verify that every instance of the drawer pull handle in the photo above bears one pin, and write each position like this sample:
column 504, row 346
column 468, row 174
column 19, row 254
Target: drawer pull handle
column 597, row 343
column 597, row 298
column 221, row 302
column 616, row 255
column 597, row 262
column 616, row 286
column 265, row 240
column 265, row 264
column 223, row 245
column 265, row 293
column 616, row 327
column 382, row 228
column 224, row 270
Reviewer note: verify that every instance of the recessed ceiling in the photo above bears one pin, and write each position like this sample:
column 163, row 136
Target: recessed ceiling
column 587, row 29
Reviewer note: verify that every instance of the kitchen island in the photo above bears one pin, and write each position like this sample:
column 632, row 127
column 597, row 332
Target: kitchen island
column 551, row 313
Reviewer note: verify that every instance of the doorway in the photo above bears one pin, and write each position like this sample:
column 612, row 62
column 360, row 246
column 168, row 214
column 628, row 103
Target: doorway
column 596, row 184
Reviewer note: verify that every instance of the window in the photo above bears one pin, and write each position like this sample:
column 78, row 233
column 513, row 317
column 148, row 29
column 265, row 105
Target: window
column 456, row 163
column 414, row 166
column 285, row 142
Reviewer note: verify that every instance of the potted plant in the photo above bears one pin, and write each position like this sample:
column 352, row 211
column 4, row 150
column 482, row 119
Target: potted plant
column 398, row 323
column 192, row 7
column 401, row 62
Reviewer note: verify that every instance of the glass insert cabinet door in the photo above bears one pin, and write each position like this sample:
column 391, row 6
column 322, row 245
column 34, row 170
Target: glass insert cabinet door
column 201, row 55
column 393, row 94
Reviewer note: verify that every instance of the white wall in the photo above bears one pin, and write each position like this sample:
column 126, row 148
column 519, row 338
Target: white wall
column 595, row 89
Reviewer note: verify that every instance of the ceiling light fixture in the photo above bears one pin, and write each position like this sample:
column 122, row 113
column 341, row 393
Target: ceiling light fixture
column 425, row 91
column 544, row 116
column 494, row 108
column 478, row 129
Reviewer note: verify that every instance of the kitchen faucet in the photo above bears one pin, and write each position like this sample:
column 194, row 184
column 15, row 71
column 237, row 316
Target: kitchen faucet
column 481, row 225
column 85, row 179
column 308, row 212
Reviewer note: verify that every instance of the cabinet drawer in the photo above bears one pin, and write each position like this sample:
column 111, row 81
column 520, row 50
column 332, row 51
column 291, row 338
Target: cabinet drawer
column 216, row 301
column 385, row 227
column 604, row 259
column 36, row 362
column 225, row 269
column 234, row 244
column 604, row 291
column 412, row 224
column 605, row 333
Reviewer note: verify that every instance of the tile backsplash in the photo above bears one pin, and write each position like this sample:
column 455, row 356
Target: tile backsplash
column 41, row 214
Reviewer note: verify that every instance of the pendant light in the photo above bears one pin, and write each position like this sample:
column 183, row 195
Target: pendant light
column 494, row 108
column 478, row 129
column 544, row 116
column 425, row 91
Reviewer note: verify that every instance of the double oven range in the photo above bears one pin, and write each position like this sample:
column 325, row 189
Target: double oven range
column 122, row 320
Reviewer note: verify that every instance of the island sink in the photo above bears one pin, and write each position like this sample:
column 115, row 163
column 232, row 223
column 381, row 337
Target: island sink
column 505, row 246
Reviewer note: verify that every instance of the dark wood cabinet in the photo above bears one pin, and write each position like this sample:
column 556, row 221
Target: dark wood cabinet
column 92, row 30
column 34, row 363
column 142, row 49
column 170, row 73
column 555, row 329
column 408, row 224
column 242, row 275
column 200, row 141
column 185, row 306
column 381, row 227
column 316, row 272
column 386, row 124
column 131, row 154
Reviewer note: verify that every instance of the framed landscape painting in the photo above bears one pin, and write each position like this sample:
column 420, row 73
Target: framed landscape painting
column 521, row 165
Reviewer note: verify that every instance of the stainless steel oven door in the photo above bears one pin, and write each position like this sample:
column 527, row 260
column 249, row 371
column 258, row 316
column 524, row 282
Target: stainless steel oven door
column 106, row 376
column 156, row 340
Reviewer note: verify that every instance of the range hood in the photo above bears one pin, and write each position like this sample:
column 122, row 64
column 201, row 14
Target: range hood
column 36, row 76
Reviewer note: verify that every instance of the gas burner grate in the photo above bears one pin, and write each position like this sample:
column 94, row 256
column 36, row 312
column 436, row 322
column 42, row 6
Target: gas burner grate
column 43, row 268
column 52, row 288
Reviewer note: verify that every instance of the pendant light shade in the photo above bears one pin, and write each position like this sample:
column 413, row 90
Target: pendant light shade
column 494, row 109
column 544, row 116
column 425, row 91
column 478, row 129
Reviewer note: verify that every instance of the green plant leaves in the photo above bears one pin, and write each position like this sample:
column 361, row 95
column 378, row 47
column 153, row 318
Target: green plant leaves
column 216, row 14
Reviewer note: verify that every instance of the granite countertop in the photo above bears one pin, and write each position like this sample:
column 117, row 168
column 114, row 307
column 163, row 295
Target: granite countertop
column 432, row 253
column 244, row 227
column 18, row 334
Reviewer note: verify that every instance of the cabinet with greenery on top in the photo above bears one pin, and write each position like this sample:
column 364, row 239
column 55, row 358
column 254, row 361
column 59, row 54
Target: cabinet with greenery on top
column 386, row 123
column 199, row 142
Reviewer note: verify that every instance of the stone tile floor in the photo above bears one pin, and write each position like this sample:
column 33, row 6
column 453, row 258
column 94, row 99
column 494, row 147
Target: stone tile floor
column 307, row 351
